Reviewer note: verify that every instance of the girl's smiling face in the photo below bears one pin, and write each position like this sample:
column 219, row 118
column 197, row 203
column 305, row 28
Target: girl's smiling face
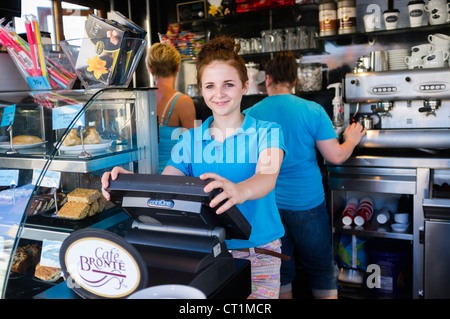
column 222, row 88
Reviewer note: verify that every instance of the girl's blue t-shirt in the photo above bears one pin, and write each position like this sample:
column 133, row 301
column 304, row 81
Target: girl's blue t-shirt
column 299, row 184
column 235, row 159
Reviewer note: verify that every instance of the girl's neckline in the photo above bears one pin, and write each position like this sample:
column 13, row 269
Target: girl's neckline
column 221, row 134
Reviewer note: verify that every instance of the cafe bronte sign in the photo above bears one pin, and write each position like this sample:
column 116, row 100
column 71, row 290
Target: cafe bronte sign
column 99, row 264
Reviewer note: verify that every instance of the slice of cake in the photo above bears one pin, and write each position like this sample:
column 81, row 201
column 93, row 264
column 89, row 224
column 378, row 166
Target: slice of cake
column 45, row 273
column 93, row 208
column 74, row 210
column 83, row 195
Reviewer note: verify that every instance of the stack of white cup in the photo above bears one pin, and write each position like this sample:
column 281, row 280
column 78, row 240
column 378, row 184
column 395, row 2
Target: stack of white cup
column 438, row 11
column 434, row 54
column 388, row 210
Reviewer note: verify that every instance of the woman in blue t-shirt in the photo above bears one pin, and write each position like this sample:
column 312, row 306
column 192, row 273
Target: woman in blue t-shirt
column 243, row 157
column 299, row 190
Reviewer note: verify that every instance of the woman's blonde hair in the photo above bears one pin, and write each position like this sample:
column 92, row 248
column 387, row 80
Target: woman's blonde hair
column 163, row 59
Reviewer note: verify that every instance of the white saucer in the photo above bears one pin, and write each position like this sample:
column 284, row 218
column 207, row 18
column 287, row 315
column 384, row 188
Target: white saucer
column 168, row 292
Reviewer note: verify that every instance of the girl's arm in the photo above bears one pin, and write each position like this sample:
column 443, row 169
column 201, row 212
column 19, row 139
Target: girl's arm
column 337, row 153
column 170, row 170
column 257, row 186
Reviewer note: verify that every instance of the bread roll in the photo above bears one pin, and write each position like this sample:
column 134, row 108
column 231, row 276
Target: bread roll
column 72, row 138
column 92, row 137
column 26, row 139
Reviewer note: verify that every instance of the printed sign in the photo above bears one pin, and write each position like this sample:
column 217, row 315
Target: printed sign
column 62, row 117
column 9, row 177
column 38, row 83
column 98, row 263
column 50, row 253
column 50, row 178
column 8, row 115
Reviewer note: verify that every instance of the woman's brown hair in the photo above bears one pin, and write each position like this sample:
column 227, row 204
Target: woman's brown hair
column 223, row 49
column 282, row 68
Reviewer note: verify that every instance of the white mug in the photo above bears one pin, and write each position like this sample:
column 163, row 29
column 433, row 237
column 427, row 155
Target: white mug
column 415, row 12
column 370, row 21
column 437, row 11
column 435, row 59
column 390, row 19
column 422, row 49
column 440, row 40
column 414, row 62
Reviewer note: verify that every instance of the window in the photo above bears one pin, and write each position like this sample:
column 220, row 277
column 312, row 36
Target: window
column 62, row 20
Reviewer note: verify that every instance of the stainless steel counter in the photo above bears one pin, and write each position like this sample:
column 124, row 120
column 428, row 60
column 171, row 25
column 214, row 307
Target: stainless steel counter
column 397, row 159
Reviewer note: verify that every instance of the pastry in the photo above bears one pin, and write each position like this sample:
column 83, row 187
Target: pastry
column 74, row 210
column 45, row 273
column 92, row 137
column 37, row 206
column 34, row 251
column 44, row 202
column 21, row 262
column 72, row 138
column 83, row 195
column 26, row 139
column 101, row 203
column 26, row 257
column 109, row 205
column 93, row 208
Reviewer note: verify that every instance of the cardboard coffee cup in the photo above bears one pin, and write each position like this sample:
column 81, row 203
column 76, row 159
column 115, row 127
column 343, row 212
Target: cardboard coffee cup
column 415, row 13
column 390, row 19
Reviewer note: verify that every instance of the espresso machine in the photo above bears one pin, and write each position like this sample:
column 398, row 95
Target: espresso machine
column 401, row 108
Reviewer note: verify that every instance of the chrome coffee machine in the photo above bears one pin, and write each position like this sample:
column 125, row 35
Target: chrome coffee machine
column 404, row 108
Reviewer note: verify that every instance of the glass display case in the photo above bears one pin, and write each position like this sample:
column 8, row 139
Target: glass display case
column 54, row 144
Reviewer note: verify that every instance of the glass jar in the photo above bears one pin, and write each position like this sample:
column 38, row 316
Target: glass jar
column 252, row 72
column 309, row 77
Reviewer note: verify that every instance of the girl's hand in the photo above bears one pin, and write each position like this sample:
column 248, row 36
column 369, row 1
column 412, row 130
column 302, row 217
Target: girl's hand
column 354, row 133
column 235, row 193
column 113, row 174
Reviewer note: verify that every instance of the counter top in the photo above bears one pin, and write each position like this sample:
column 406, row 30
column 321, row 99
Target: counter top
column 403, row 158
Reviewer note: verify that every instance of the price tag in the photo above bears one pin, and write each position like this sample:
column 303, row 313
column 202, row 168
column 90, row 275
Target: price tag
column 63, row 116
column 8, row 115
column 38, row 83
column 9, row 177
column 50, row 253
column 2, row 246
column 50, row 178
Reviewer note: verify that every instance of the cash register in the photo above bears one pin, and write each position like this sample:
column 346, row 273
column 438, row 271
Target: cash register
column 175, row 238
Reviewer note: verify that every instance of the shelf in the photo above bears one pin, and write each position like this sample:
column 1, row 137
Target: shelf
column 70, row 165
column 360, row 37
column 374, row 229
column 254, row 13
column 297, row 53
